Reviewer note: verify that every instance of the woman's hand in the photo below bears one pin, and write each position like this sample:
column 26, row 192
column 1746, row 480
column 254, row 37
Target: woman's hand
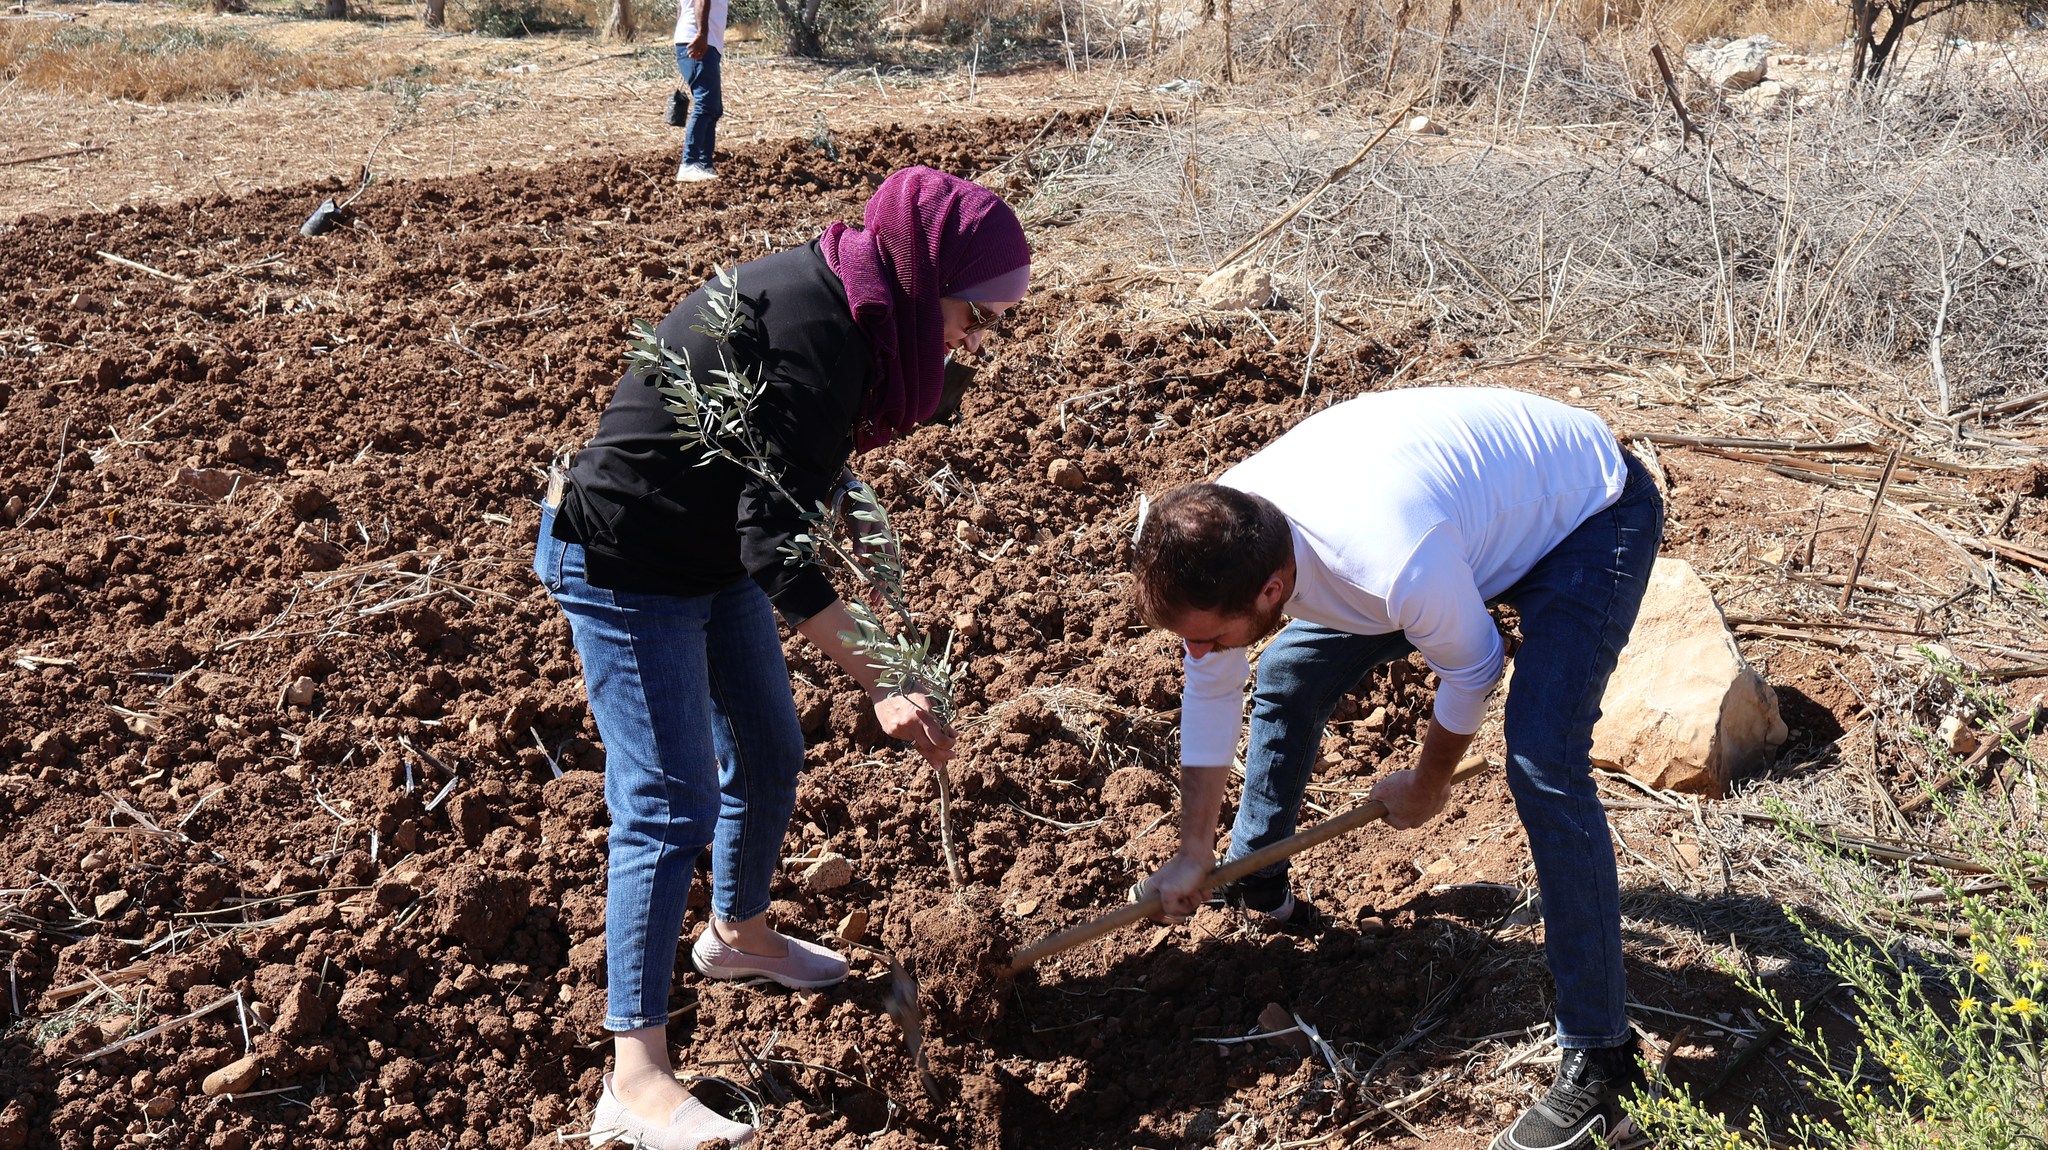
column 908, row 715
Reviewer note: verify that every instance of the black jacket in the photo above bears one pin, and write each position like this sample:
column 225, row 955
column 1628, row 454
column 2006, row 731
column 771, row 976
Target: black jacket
column 656, row 518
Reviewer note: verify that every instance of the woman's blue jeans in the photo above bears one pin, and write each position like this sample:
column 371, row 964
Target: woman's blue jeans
column 702, row 748
column 1576, row 606
column 707, row 102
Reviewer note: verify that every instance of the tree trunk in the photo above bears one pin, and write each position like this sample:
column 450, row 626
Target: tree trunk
column 336, row 10
column 1881, row 51
column 618, row 21
column 801, row 24
column 1862, row 14
column 435, row 14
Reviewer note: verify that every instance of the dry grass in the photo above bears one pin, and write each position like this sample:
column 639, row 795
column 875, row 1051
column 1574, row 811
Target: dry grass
column 1315, row 36
column 1896, row 234
column 164, row 63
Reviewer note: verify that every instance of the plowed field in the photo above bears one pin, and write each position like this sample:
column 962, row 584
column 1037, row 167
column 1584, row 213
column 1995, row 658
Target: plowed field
column 293, row 741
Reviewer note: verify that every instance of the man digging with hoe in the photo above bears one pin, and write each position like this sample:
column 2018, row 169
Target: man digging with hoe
column 1385, row 525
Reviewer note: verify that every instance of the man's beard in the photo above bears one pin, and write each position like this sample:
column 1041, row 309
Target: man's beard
column 1263, row 625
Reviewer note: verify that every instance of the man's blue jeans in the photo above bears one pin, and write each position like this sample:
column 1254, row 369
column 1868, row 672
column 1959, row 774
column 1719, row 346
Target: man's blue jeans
column 707, row 103
column 1576, row 606
column 702, row 747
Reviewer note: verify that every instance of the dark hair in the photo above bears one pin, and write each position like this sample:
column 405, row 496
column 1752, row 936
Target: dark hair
column 1205, row 547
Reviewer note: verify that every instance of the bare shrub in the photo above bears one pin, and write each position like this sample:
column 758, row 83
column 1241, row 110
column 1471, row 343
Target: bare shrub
column 1903, row 236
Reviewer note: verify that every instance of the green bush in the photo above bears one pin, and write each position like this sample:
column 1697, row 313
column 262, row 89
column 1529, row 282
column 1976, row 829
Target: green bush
column 1949, row 1044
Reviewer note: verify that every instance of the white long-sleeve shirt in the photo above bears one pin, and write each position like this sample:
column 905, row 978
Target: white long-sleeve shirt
column 1409, row 510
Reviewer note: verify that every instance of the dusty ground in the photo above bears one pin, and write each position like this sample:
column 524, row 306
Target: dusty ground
column 464, row 103
column 388, row 893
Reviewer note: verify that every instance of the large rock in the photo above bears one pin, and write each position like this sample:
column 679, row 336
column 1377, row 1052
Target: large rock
column 1683, row 710
column 1734, row 66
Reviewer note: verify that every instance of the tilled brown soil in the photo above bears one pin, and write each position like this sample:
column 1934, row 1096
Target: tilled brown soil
column 287, row 725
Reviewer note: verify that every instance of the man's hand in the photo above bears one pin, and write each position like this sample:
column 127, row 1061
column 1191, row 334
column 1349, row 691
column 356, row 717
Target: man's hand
column 698, row 46
column 909, row 716
column 1181, row 885
column 1412, row 797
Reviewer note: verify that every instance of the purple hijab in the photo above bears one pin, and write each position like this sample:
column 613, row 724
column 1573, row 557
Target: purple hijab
column 926, row 235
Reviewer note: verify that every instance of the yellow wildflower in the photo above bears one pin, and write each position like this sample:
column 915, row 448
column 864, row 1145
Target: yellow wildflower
column 1965, row 1004
column 1980, row 962
column 2024, row 1007
column 2023, row 942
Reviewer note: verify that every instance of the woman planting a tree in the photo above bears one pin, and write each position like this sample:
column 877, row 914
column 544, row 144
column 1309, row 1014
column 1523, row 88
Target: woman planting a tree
column 685, row 520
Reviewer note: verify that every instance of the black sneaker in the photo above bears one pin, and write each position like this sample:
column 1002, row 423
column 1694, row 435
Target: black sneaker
column 1271, row 904
column 1583, row 1103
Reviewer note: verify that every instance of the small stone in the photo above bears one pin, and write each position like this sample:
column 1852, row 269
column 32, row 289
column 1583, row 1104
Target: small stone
column 1066, row 474
column 109, row 902
column 210, row 482
column 299, row 692
column 967, row 533
column 1024, row 907
column 235, row 1077
column 1735, row 66
column 1277, row 1018
column 1957, row 735
column 829, row 873
column 965, row 625
column 854, row 926
column 159, row 1105
column 1424, row 126
column 1377, row 719
column 1238, row 287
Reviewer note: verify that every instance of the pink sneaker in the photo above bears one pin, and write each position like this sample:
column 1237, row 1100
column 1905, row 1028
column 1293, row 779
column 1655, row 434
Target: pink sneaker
column 692, row 1125
column 808, row 966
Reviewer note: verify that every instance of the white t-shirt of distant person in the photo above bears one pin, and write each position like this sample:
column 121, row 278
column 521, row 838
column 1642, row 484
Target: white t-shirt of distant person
column 686, row 22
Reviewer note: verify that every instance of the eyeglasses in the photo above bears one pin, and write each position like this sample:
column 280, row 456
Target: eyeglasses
column 982, row 321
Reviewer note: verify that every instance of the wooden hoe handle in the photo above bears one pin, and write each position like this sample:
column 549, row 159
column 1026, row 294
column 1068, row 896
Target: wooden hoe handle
column 1026, row 957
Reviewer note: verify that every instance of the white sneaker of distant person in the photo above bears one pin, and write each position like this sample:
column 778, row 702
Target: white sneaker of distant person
column 695, row 173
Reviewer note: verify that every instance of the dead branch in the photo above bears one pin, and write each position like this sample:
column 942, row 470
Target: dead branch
column 1870, row 531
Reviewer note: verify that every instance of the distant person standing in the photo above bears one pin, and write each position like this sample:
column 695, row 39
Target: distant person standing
column 700, row 44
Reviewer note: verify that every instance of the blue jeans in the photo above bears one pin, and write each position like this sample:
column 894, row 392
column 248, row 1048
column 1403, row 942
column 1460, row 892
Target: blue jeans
column 707, row 103
column 1577, row 606
column 702, row 747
